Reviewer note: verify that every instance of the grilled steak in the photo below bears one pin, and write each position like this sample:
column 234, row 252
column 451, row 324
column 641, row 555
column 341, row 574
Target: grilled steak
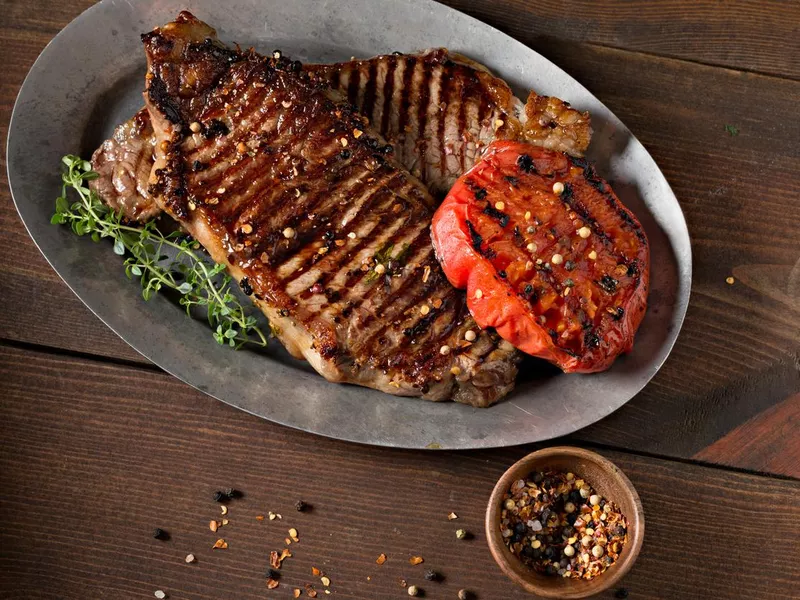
column 438, row 110
column 312, row 214
column 441, row 110
column 123, row 163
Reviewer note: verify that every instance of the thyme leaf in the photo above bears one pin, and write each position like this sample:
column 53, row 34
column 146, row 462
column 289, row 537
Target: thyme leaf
column 188, row 273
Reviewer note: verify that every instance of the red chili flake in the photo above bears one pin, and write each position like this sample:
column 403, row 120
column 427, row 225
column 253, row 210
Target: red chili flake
column 272, row 583
column 381, row 559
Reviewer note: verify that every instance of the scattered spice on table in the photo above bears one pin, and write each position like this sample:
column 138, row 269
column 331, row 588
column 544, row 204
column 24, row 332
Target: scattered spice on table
column 189, row 558
column 220, row 544
column 730, row 280
column 557, row 524
column 301, row 506
column 160, row 594
column 621, row 593
column 381, row 559
column 416, row 560
column 462, row 534
column 431, row 575
column 413, row 590
column 160, row 534
column 452, row 516
column 465, row 595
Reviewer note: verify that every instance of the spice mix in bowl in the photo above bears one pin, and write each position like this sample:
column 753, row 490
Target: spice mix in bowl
column 556, row 524
column 565, row 523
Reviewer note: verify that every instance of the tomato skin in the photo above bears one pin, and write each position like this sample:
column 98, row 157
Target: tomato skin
column 474, row 250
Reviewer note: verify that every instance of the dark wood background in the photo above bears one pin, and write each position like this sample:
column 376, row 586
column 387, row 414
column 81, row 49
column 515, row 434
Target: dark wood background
column 99, row 446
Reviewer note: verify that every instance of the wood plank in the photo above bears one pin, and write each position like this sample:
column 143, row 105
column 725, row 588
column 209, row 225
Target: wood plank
column 29, row 287
column 750, row 35
column 737, row 355
column 89, row 467
column 760, row 444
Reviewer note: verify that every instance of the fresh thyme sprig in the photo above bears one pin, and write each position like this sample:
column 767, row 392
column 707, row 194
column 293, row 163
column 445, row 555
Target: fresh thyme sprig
column 198, row 283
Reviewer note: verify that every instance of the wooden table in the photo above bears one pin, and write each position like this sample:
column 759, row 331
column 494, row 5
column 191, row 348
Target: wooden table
column 99, row 447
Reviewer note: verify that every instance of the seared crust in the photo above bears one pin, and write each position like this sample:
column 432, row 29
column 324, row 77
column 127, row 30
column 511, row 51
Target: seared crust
column 311, row 213
column 441, row 110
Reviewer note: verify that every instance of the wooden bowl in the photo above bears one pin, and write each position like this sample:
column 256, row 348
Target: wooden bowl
column 606, row 478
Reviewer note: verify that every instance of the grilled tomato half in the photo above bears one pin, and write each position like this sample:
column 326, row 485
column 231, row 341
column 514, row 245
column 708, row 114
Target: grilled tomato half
column 548, row 254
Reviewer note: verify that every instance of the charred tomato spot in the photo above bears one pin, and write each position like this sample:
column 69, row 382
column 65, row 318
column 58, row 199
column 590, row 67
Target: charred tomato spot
column 591, row 339
column 608, row 284
column 525, row 163
column 475, row 237
column 501, row 217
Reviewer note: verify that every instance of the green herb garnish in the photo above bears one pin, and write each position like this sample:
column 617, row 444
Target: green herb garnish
column 188, row 274
column 386, row 263
column 732, row 130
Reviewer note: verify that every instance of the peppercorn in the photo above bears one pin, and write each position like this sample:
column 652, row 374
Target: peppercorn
column 220, row 496
column 301, row 506
column 160, row 534
column 621, row 593
column 232, row 493
column 272, row 573
column 432, row 575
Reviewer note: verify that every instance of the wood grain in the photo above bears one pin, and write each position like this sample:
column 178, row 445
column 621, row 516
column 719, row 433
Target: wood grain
column 738, row 352
column 97, row 461
column 749, row 35
column 766, row 443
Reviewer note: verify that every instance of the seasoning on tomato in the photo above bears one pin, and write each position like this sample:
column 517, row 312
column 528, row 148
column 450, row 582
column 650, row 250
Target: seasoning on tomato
column 548, row 254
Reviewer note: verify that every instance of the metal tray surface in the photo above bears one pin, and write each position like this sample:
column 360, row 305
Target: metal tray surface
column 90, row 78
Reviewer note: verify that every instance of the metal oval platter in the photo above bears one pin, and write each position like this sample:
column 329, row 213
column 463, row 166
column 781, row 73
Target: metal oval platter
column 90, row 78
